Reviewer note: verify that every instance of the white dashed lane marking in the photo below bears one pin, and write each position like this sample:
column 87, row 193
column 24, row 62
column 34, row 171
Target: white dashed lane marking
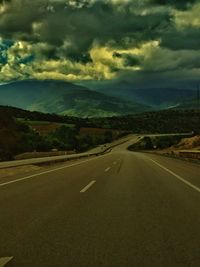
column 87, row 186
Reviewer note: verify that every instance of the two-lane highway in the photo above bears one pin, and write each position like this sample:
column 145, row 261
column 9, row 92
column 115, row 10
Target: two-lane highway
column 119, row 209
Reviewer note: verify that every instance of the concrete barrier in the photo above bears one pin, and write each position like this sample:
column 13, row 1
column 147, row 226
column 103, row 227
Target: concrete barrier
column 57, row 159
column 31, row 155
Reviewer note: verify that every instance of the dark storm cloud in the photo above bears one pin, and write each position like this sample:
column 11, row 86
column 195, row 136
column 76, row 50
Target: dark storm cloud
column 100, row 22
column 5, row 1
column 188, row 38
column 129, row 60
column 181, row 4
column 68, row 30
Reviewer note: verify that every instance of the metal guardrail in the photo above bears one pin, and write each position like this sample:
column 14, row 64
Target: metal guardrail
column 45, row 160
column 56, row 159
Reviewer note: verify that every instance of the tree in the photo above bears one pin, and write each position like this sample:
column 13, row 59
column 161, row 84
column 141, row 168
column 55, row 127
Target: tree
column 108, row 136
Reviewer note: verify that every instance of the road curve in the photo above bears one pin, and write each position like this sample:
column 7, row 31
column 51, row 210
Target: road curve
column 120, row 209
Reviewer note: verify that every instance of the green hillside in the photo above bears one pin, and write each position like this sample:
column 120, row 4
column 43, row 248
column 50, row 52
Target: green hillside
column 65, row 98
column 191, row 103
column 158, row 97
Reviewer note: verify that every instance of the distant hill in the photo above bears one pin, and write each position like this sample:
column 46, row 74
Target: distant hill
column 65, row 98
column 163, row 121
column 163, row 97
column 190, row 103
column 158, row 98
column 39, row 116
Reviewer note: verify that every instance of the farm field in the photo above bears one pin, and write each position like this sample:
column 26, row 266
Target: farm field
column 44, row 127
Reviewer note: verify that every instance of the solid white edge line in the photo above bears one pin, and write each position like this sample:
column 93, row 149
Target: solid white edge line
column 87, row 186
column 177, row 176
column 4, row 261
column 45, row 172
column 106, row 170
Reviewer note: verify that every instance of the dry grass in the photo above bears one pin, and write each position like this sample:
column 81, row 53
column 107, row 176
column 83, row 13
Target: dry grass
column 188, row 143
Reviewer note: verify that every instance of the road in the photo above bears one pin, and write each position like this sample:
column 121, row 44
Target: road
column 54, row 159
column 117, row 210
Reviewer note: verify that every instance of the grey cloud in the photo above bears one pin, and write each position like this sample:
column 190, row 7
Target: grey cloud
column 166, row 60
column 68, row 29
column 129, row 59
column 98, row 22
column 181, row 4
column 186, row 38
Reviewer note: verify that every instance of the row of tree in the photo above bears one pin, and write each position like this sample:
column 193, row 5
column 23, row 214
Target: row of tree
column 17, row 137
column 159, row 142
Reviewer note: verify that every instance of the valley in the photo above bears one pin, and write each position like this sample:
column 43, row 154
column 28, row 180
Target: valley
column 64, row 98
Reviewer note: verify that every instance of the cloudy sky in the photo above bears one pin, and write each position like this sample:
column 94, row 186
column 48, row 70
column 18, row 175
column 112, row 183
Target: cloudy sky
column 100, row 40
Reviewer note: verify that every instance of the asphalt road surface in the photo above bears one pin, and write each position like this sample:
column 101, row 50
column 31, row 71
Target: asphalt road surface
column 117, row 210
column 44, row 160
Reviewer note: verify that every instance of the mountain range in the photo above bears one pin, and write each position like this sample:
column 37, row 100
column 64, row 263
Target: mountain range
column 156, row 97
column 66, row 98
